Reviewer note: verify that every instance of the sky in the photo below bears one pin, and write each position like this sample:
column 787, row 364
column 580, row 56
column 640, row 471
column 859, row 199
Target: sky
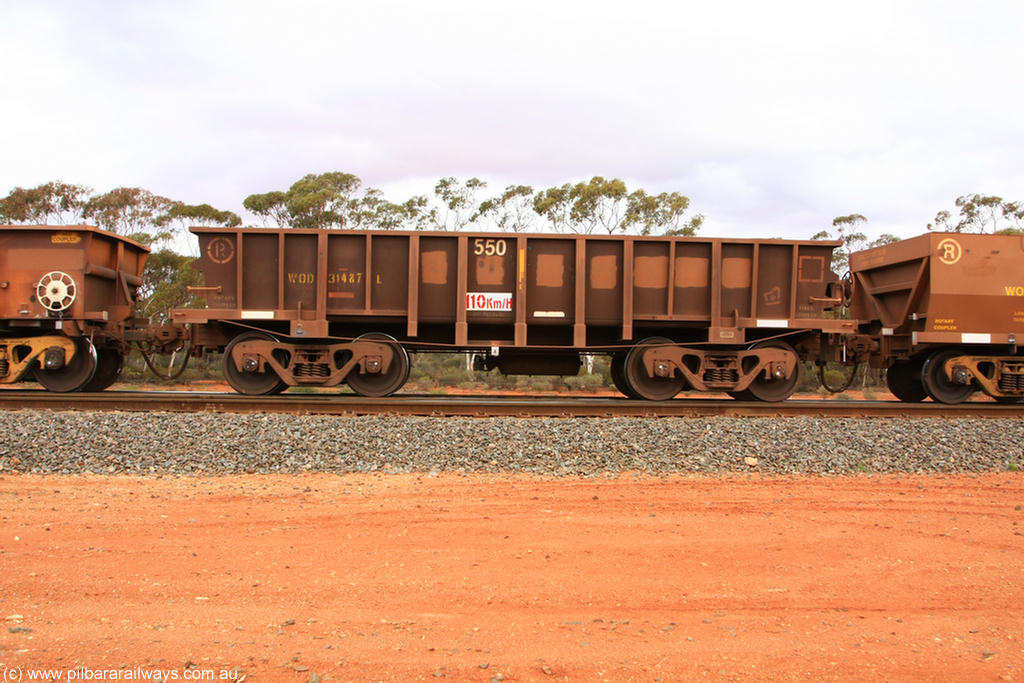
column 772, row 117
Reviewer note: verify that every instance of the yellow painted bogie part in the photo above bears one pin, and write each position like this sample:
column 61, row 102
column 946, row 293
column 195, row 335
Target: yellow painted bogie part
column 17, row 354
column 994, row 375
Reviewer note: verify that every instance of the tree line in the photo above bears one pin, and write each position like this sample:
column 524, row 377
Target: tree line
column 978, row 213
column 123, row 210
column 337, row 200
column 599, row 205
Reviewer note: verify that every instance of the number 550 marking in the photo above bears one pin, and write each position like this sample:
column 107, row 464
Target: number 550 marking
column 489, row 247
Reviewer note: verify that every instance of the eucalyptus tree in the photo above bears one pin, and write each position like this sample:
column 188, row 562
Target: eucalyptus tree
column 847, row 232
column 853, row 239
column 200, row 214
column 130, row 210
column 662, row 214
column 602, row 205
column 512, row 210
column 372, row 211
column 981, row 213
column 456, row 206
column 555, row 205
column 54, row 202
column 271, row 207
column 597, row 205
column 322, row 201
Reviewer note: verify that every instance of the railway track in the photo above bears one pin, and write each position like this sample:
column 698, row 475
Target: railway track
column 485, row 405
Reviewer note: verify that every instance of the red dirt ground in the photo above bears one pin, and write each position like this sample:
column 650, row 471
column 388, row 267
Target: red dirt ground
column 877, row 394
column 516, row 578
column 874, row 394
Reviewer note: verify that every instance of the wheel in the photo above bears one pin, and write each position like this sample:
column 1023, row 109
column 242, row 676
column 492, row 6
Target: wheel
column 251, row 383
column 938, row 386
column 617, row 367
column 904, row 381
column 378, row 384
column 108, row 368
column 75, row 374
column 643, row 386
column 1009, row 399
column 772, row 389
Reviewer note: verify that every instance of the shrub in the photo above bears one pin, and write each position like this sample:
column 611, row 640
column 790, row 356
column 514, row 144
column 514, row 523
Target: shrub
column 835, row 378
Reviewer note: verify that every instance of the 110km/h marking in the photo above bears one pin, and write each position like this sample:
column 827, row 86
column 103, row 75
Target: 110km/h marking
column 488, row 301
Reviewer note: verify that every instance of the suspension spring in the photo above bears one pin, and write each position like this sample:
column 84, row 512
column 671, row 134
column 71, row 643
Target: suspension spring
column 1011, row 383
column 721, row 376
column 311, row 370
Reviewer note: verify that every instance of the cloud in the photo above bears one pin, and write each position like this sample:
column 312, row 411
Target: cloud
column 772, row 117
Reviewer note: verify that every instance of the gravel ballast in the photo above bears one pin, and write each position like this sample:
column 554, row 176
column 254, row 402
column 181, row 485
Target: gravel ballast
column 181, row 443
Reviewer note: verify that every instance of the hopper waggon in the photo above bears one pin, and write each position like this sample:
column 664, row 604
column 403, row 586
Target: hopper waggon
column 312, row 307
column 944, row 312
column 67, row 305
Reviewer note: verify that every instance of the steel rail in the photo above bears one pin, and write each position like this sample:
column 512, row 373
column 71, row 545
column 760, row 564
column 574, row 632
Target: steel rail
column 485, row 405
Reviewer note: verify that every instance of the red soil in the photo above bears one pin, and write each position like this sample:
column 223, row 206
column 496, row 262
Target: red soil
column 515, row 578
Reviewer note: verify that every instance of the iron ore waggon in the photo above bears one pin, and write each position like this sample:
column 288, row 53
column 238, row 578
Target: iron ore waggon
column 67, row 304
column 319, row 308
column 944, row 313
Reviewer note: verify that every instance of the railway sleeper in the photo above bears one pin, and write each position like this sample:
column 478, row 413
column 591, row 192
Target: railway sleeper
column 324, row 365
column 717, row 370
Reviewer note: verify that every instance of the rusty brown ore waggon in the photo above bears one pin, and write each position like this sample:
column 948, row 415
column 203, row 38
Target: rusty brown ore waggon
column 944, row 313
column 319, row 308
column 67, row 297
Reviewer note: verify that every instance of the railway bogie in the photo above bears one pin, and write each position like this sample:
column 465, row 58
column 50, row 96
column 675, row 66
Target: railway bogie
column 373, row 364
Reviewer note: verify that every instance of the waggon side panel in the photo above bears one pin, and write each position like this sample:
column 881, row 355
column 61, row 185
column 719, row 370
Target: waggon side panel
column 512, row 289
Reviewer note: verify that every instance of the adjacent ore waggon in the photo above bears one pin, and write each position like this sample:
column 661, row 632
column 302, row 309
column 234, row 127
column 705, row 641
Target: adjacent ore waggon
column 321, row 308
column 944, row 313
column 67, row 305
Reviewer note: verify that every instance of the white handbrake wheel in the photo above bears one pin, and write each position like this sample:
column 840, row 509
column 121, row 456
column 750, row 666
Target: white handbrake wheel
column 56, row 291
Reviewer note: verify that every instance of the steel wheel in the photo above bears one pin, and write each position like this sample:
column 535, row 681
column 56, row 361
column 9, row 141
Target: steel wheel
column 643, row 386
column 108, row 368
column 76, row 372
column 904, row 381
column 251, row 383
column 772, row 390
column 378, row 384
column 617, row 368
column 938, row 386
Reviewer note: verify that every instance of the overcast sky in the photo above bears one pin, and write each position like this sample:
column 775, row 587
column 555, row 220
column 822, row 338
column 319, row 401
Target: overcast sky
column 773, row 117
